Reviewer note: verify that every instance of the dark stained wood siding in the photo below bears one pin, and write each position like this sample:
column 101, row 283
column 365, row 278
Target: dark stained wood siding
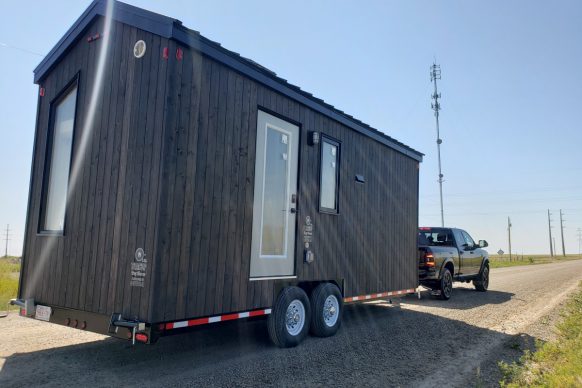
column 113, row 201
column 169, row 167
column 206, row 220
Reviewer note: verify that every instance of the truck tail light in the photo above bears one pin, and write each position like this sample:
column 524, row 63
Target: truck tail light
column 141, row 337
column 429, row 259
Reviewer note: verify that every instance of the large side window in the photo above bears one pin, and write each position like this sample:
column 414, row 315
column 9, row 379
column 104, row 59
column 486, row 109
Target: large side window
column 329, row 175
column 58, row 161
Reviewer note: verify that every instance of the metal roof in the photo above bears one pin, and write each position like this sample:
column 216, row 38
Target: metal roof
column 173, row 29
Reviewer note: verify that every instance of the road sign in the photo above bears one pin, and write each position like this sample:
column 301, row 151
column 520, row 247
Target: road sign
column 500, row 252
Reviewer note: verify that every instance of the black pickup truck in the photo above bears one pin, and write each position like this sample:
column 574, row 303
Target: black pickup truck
column 450, row 254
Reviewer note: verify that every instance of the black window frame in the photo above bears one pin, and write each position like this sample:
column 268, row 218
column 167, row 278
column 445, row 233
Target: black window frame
column 72, row 84
column 335, row 142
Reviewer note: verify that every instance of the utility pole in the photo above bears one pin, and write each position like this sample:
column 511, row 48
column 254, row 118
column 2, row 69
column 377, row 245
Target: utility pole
column 509, row 235
column 550, row 229
column 435, row 73
column 7, row 238
column 579, row 241
column 562, row 229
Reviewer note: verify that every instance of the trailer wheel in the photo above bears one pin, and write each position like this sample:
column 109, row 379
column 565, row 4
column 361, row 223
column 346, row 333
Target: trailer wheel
column 482, row 281
column 288, row 324
column 446, row 286
column 326, row 310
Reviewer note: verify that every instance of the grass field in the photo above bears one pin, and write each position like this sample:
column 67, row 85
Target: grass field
column 554, row 364
column 9, row 271
column 503, row 261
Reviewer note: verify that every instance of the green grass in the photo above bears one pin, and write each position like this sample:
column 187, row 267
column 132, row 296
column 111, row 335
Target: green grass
column 554, row 364
column 503, row 261
column 9, row 272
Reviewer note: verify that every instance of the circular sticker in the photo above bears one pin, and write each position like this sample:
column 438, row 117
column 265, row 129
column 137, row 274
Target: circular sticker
column 139, row 49
column 139, row 255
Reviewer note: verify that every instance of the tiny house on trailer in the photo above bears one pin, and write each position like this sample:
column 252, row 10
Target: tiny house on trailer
column 175, row 183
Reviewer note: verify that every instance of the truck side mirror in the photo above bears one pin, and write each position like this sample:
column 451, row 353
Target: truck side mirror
column 483, row 244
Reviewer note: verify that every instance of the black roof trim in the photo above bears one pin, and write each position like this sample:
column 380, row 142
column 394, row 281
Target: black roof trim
column 173, row 29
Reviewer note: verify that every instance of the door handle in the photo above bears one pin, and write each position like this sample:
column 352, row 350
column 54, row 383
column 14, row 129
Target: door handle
column 293, row 210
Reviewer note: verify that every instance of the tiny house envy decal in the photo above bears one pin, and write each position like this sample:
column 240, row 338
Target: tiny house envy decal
column 139, row 268
column 308, row 232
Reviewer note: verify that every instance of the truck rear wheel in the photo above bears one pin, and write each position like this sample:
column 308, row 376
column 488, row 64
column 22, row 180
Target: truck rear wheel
column 326, row 310
column 482, row 281
column 288, row 323
column 446, row 286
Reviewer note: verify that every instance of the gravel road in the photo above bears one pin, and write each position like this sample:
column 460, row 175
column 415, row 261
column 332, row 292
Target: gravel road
column 424, row 342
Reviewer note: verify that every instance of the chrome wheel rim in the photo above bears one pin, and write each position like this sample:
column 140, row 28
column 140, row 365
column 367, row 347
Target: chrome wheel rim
column 331, row 311
column 295, row 317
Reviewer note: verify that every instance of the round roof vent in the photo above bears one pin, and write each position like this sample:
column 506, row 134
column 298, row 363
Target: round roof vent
column 139, row 49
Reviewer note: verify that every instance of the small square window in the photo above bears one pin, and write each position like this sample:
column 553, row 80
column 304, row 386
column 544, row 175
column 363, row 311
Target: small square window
column 329, row 175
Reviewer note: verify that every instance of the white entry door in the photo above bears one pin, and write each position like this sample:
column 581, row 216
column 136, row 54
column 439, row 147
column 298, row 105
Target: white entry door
column 275, row 200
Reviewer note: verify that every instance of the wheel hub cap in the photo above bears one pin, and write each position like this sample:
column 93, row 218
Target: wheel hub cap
column 295, row 317
column 330, row 310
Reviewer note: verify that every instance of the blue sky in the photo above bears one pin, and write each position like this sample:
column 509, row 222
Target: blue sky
column 511, row 94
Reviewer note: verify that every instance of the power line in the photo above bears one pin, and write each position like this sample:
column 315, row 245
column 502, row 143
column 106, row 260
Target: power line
column 435, row 73
column 6, row 45
column 505, row 192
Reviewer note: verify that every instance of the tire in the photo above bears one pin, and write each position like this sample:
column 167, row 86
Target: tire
column 482, row 282
column 446, row 285
column 289, row 321
column 326, row 310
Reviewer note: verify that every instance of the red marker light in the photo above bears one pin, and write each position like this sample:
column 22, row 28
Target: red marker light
column 179, row 54
column 141, row 337
column 165, row 53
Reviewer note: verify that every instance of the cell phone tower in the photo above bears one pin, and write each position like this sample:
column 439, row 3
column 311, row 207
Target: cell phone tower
column 435, row 73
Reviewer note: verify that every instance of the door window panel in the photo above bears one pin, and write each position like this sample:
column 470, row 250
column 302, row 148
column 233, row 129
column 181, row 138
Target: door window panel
column 275, row 207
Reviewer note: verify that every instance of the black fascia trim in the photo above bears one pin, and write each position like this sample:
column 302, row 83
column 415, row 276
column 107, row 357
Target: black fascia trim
column 198, row 44
column 65, row 42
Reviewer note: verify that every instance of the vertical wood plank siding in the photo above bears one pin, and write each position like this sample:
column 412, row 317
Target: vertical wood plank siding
column 170, row 168
column 112, row 209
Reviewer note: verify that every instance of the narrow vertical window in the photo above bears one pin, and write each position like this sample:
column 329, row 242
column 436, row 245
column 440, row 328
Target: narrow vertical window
column 58, row 161
column 329, row 179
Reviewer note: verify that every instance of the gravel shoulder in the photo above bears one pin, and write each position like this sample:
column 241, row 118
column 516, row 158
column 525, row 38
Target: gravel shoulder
column 424, row 342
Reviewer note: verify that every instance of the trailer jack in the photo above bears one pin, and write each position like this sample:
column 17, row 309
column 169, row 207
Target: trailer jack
column 134, row 325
